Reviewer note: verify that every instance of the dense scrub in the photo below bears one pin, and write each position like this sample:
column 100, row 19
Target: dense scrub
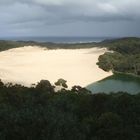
column 125, row 58
column 5, row 45
column 39, row 113
column 130, row 45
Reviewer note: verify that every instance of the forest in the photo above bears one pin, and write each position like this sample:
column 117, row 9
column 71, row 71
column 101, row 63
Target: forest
column 124, row 56
column 41, row 113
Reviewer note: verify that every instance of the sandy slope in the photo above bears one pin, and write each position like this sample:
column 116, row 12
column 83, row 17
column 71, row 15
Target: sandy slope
column 30, row 64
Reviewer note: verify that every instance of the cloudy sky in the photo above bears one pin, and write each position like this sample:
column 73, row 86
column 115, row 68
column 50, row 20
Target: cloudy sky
column 69, row 18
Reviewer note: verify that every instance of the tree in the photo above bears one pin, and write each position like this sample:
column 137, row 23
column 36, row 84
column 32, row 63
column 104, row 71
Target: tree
column 62, row 83
column 45, row 86
column 109, row 126
column 1, row 83
column 79, row 90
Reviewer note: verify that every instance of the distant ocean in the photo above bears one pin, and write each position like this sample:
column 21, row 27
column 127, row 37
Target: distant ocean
column 58, row 39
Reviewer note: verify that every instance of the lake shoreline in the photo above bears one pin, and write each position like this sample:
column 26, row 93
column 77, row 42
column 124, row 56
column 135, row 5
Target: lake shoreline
column 129, row 74
column 118, row 82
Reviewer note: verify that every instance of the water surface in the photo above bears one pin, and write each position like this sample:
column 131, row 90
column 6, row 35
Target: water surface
column 58, row 39
column 116, row 83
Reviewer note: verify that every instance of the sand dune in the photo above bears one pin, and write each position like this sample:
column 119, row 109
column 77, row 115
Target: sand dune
column 30, row 64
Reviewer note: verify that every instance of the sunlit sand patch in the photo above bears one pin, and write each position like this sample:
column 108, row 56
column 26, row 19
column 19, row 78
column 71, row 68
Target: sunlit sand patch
column 30, row 64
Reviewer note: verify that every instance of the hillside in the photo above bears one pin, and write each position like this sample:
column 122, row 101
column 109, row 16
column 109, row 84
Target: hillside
column 5, row 45
column 124, row 58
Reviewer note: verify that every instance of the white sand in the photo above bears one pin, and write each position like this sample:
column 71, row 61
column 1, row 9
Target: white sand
column 30, row 64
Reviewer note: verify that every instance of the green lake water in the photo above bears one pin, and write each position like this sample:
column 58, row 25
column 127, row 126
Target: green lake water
column 116, row 83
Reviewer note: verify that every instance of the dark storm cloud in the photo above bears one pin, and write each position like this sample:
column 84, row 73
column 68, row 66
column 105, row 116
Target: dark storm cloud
column 29, row 16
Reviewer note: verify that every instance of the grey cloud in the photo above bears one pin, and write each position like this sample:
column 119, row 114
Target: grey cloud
column 53, row 10
column 34, row 15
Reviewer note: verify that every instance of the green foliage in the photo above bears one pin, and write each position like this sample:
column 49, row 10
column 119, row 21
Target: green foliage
column 130, row 45
column 45, row 86
column 61, row 82
column 39, row 113
column 125, row 58
column 79, row 90
column 5, row 45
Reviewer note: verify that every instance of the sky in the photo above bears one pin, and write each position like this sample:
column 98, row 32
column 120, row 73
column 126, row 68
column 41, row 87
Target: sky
column 69, row 18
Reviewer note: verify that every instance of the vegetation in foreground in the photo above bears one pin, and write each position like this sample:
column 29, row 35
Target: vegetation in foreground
column 40, row 113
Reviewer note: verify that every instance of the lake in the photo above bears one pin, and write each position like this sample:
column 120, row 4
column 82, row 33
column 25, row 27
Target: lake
column 116, row 83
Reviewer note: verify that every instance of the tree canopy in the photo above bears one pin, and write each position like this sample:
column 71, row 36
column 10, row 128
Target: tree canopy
column 39, row 113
